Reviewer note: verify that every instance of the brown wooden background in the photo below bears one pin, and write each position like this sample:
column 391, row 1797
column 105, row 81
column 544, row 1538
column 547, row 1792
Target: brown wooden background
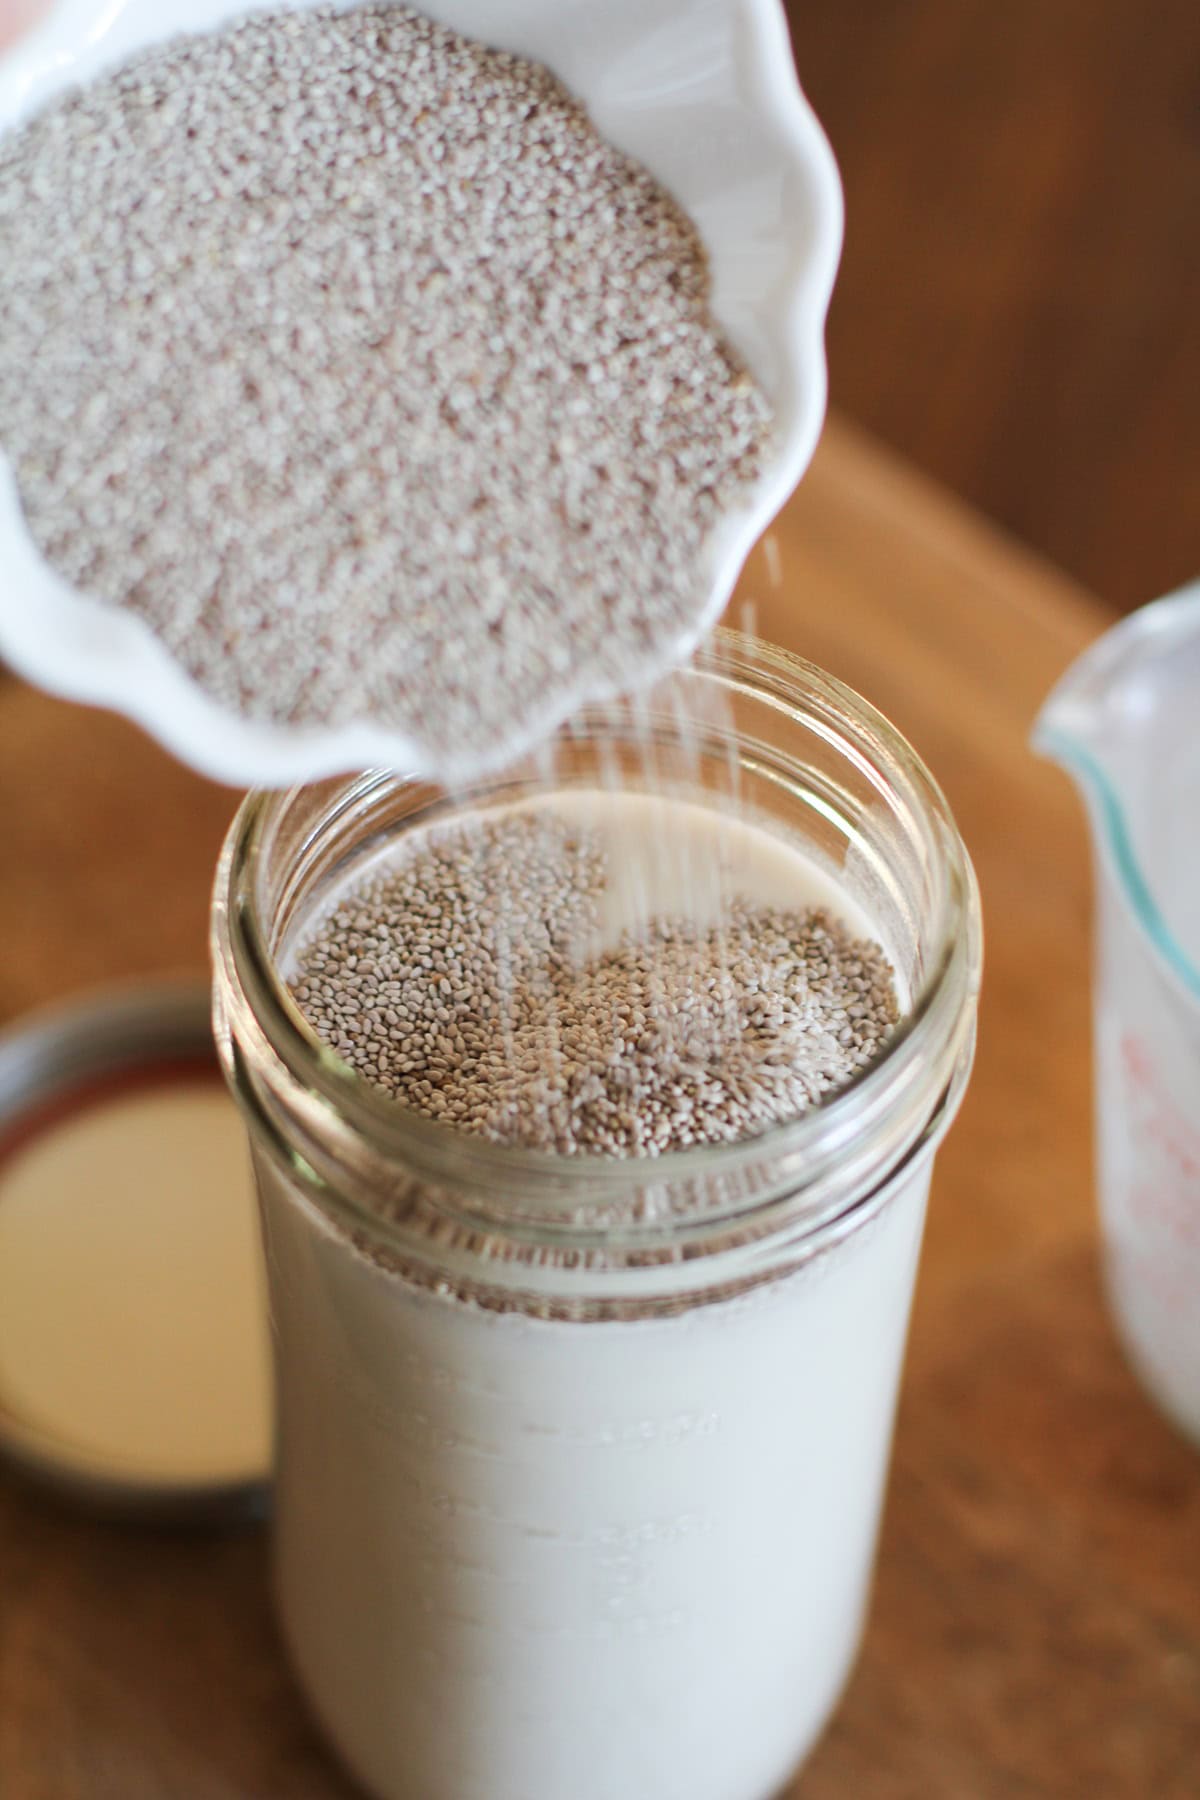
column 1018, row 309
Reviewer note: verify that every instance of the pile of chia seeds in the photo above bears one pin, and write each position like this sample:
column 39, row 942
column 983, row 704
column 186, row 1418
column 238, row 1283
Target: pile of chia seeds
column 346, row 353
column 462, row 981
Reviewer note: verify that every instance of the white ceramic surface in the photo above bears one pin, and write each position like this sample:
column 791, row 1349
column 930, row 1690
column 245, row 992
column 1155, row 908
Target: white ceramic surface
column 704, row 93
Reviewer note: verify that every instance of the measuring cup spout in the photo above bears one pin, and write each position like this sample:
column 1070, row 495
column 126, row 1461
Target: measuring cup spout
column 1124, row 721
column 1115, row 702
column 1072, row 729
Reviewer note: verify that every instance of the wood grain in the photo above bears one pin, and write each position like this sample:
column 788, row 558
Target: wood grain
column 1036, row 1627
column 1016, row 307
column 109, row 851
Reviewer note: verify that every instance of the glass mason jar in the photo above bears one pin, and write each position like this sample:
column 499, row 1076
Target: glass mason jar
column 580, row 1460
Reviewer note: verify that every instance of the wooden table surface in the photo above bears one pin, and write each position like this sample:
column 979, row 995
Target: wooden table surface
column 1036, row 1624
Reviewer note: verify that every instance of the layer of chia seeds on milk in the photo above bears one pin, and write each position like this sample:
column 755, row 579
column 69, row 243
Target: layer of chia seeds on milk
column 462, row 979
column 346, row 353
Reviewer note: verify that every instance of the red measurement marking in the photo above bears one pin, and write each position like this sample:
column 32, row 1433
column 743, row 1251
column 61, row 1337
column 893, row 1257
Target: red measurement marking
column 1166, row 1196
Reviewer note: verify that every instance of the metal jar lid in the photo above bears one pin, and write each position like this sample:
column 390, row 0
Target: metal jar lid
column 134, row 1346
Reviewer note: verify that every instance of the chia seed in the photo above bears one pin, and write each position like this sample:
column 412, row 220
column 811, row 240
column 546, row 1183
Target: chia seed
column 346, row 353
column 462, row 981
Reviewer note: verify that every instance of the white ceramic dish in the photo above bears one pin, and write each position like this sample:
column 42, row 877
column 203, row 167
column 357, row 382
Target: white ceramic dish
column 704, row 93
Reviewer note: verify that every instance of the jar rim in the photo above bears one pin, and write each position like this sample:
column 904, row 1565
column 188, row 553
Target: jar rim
column 920, row 1052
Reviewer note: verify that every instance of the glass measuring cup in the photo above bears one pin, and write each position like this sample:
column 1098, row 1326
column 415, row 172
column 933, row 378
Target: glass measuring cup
column 1123, row 723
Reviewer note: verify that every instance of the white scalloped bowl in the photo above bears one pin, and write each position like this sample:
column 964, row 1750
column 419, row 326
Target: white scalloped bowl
column 704, row 93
